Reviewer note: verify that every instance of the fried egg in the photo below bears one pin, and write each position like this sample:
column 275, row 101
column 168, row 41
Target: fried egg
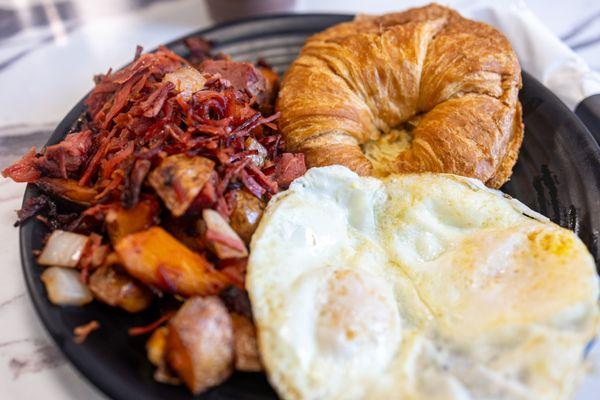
column 417, row 286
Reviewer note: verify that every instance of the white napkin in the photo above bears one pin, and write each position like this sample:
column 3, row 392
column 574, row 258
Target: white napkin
column 540, row 52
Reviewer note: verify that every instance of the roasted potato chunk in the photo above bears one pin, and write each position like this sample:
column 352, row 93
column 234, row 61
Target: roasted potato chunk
column 158, row 259
column 187, row 80
column 119, row 290
column 246, row 214
column 266, row 99
column 178, row 180
column 68, row 189
column 121, row 222
column 156, row 351
column 220, row 238
column 247, row 357
column 200, row 343
column 156, row 346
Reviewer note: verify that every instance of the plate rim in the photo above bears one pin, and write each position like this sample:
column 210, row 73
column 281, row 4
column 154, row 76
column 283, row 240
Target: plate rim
column 93, row 374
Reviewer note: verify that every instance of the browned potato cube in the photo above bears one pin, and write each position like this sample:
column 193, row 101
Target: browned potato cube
column 200, row 343
column 156, row 346
column 178, row 180
column 158, row 259
column 119, row 290
column 68, row 189
column 246, row 214
column 121, row 222
column 266, row 99
column 247, row 357
column 156, row 351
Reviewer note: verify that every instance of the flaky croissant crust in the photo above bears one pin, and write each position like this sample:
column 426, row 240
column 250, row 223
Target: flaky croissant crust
column 357, row 80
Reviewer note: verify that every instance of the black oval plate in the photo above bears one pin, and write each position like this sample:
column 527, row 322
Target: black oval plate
column 558, row 174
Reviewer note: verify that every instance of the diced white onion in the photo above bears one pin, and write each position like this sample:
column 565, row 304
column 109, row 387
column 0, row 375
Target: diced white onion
column 65, row 288
column 187, row 80
column 215, row 222
column 259, row 158
column 63, row 249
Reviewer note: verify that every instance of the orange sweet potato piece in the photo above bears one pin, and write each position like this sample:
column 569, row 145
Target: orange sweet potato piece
column 121, row 222
column 158, row 259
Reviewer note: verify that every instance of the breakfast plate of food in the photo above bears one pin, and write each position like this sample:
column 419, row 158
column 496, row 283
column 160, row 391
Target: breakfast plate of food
column 319, row 206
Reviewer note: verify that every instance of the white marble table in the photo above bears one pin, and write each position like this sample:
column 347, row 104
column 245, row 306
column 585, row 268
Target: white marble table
column 49, row 50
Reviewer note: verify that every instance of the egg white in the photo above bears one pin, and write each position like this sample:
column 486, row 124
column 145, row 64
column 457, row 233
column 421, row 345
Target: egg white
column 418, row 286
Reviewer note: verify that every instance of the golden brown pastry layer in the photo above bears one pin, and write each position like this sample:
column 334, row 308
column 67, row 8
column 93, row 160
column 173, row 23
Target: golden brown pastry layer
column 358, row 80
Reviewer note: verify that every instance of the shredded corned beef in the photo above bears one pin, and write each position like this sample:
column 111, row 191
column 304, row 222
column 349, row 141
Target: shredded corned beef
column 65, row 158
column 24, row 170
column 136, row 119
column 58, row 161
column 288, row 167
column 133, row 184
column 242, row 76
column 162, row 105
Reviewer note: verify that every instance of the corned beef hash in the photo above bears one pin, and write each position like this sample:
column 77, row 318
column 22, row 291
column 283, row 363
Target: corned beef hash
column 166, row 177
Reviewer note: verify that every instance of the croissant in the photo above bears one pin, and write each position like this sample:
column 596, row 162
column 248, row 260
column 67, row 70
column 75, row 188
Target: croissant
column 420, row 90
